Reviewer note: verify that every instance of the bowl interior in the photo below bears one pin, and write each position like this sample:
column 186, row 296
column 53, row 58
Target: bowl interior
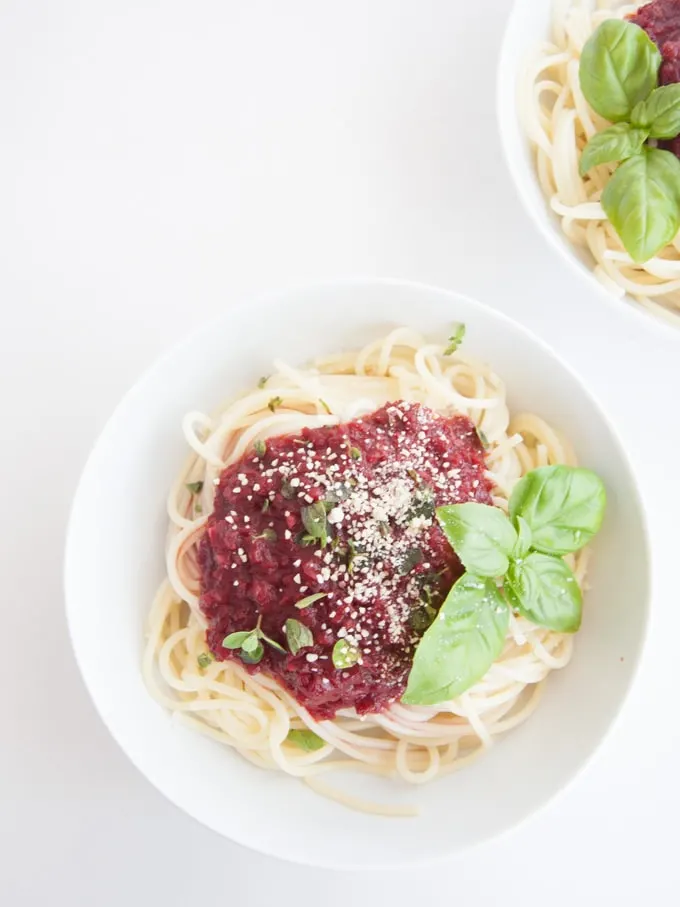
column 114, row 562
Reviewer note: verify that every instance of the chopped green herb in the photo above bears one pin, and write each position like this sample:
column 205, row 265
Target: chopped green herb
column 422, row 504
column 309, row 600
column 251, row 642
column 298, row 636
column 267, row 504
column 421, row 618
column 287, row 490
column 355, row 453
column 304, row 539
column 268, row 534
column 274, row 403
column 325, row 405
column 194, row 487
column 254, row 657
column 236, row 640
column 260, row 448
column 204, row 659
column 455, row 339
column 261, row 383
column 197, row 507
column 273, row 643
column 315, row 522
column 345, row 654
column 305, row 740
column 484, row 441
column 412, row 557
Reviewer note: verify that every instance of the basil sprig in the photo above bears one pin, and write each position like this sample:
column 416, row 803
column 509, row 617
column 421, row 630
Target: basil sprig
column 511, row 561
column 618, row 74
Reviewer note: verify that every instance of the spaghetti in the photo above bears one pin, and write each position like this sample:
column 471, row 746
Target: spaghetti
column 252, row 712
column 559, row 123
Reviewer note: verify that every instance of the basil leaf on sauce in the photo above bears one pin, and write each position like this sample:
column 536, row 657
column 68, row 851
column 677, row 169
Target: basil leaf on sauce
column 642, row 201
column 412, row 557
column 236, row 640
column 298, row 635
column 465, row 639
column 617, row 143
column 562, row 505
column 543, row 589
column 345, row 655
column 310, row 599
column 618, row 69
column 305, row 740
column 659, row 114
column 481, row 535
column 260, row 448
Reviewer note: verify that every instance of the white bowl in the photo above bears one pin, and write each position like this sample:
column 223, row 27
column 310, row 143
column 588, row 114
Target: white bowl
column 529, row 25
column 114, row 562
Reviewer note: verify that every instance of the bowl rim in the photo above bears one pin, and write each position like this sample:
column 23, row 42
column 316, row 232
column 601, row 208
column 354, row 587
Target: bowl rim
column 507, row 123
column 264, row 300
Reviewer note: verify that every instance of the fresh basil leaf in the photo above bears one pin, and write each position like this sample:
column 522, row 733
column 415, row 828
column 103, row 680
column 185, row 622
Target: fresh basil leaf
column 195, row 487
column 617, row 143
column 642, row 201
column 345, row 655
column 563, row 505
column 305, row 740
column 523, row 543
column 298, row 635
column 235, row 640
column 260, row 448
column 481, row 535
column 465, row 639
column 309, row 600
column 251, row 642
column 543, row 589
column 355, row 453
column 254, row 657
column 455, row 339
column 659, row 114
column 204, row 659
column 618, row 69
column 314, row 521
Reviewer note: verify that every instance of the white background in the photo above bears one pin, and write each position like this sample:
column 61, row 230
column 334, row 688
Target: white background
column 160, row 160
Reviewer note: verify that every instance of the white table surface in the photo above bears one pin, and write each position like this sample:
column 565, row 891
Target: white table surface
column 160, row 160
